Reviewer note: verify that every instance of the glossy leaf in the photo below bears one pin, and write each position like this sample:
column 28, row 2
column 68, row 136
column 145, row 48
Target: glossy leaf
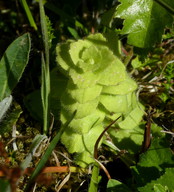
column 144, row 21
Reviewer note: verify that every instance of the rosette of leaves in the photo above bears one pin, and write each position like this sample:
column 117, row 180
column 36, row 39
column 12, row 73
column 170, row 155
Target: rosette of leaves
column 99, row 90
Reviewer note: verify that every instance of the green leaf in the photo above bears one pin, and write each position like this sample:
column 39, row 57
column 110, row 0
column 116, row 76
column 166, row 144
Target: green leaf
column 99, row 89
column 155, row 160
column 33, row 104
column 84, row 95
column 136, row 63
column 133, row 119
column 111, row 103
column 165, row 181
column 145, row 21
column 122, row 88
column 93, row 187
column 13, row 64
column 63, row 57
column 74, row 143
column 160, row 188
column 35, row 144
column 107, row 17
column 84, row 124
column 73, row 32
column 33, row 100
column 115, row 185
column 29, row 14
column 128, row 139
column 113, row 42
column 83, row 109
column 5, row 186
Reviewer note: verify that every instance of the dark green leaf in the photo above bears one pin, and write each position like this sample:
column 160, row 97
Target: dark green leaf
column 114, row 185
column 4, row 186
column 153, row 163
column 145, row 21
column 166, row 181
column 13, row 64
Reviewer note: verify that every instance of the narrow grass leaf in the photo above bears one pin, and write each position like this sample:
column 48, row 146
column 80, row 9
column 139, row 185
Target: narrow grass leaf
column 47, row 154
column 45, row 87
column 34, row 146
column 29, row 14
column 93, row 187
column 4, row 106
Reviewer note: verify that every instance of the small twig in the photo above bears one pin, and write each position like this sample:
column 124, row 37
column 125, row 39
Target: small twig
column 104, row 169
column 162, row 71
column 56, row 158
column 147, row 133
column 169, row 132
column 67, row 158
column 34, row 188
column 65, row 180
column 101, row 135
column 96, row 148
column 61, row 169
column 52, row 123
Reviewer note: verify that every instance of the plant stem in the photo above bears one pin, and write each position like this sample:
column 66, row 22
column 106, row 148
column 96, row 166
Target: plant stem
column 93, row 187
column 45, row 87
column 28, row 13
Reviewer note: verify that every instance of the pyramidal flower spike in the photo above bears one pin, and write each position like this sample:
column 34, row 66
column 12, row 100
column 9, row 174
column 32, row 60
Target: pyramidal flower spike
column 99, row 89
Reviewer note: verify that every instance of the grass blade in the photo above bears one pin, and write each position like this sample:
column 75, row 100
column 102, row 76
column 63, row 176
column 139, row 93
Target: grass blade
column 47, row 154
column 45, row 87
column 28, row 13
column 35, row 144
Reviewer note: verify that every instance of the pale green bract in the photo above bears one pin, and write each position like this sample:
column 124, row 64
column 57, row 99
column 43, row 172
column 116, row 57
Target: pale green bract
column 99, row 90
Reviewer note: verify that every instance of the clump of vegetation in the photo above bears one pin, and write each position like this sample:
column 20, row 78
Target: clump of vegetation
column 86, row 86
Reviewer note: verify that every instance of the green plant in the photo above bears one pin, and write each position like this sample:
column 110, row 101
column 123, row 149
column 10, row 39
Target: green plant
column 12, row 65
column 45, row 60
column 29, row 14
column 89, row 90
column 100, row 89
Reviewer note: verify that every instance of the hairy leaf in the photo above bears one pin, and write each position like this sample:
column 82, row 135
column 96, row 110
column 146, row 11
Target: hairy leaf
column 13, row 64
column 99, row 90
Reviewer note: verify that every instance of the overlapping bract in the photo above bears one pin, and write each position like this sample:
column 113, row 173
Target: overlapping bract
column 99, row 89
